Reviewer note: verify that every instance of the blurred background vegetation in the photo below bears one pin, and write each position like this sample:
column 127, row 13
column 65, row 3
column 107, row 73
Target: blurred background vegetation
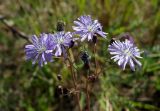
column 24, row 87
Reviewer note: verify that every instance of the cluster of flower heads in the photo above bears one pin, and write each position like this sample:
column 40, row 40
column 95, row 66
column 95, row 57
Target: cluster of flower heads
column 44, row 47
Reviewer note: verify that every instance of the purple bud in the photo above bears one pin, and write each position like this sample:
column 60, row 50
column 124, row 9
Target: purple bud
column 85, row 59
column 128, row 37
column 60, row 26
column 112, row 40
column 71, row 44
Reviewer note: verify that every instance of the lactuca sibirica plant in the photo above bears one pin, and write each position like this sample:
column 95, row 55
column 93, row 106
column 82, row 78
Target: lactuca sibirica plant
column 60, row 44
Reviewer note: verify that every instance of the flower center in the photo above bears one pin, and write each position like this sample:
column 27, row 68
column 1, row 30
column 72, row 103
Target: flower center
column 60, row 40
column 127, row 52
column 89, row 28
column 41, row 50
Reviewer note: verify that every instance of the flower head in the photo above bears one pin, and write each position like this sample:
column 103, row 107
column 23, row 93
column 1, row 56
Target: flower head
column 125, row 52
column 87, row 28
column 60, row 41
column 40, row 50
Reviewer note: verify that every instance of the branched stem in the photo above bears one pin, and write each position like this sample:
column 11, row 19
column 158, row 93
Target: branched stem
column 74, row 81
column 95, row 51
column 87, row 94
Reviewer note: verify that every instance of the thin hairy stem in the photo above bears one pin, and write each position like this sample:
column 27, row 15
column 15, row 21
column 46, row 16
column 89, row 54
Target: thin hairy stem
column 74, row 82
column 87, row 94
column 95, row 51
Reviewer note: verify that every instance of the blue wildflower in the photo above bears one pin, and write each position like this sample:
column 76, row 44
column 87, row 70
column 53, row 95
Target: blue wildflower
column 88, row 28
column 40, row 50
column 125, row 52
column 61, row 40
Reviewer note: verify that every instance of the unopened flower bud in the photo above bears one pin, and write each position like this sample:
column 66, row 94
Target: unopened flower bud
column 85, row 59
column 92, row 78
column 71, row 44
column 59, row 91
column 59, row 77
column 60, row 26
column 127, row 36
column 112, row 40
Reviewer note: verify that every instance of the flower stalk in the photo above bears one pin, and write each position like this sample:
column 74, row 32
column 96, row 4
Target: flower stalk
column 71, row 60
column 87, row 94
column 95, row 51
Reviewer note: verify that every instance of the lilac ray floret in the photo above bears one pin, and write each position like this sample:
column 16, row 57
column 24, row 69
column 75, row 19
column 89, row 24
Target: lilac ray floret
column 125, row 52
column 40, row 50
column 61, row 40
column 87, row 28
